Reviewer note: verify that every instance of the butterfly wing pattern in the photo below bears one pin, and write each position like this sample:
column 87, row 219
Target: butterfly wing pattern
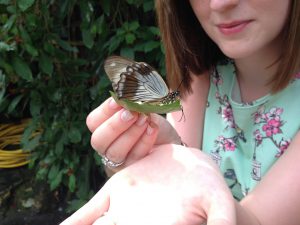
column 137, row 81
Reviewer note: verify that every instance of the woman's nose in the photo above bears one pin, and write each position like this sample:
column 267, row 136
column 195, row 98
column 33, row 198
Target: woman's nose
column 221, row 5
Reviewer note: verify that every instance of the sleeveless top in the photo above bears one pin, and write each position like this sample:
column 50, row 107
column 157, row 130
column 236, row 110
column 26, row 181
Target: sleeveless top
column 246, row 139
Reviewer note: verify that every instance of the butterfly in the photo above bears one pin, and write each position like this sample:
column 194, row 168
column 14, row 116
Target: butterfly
column 138, row 83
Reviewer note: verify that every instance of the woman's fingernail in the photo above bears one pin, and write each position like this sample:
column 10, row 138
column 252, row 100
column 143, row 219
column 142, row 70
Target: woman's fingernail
column 141, row 120
column 126, row 115
column 149, row 130
column 112, row 104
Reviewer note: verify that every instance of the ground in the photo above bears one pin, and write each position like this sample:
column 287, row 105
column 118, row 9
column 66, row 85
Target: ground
column 25, row 201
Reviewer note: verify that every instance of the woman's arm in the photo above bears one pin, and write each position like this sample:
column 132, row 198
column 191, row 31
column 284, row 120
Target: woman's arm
column 276, row 199
column 190, row 125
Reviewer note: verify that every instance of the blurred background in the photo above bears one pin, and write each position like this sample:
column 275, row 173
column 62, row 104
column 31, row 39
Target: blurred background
column 51, row 77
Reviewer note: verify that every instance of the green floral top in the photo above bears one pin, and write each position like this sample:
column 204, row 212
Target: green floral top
column 246, row 139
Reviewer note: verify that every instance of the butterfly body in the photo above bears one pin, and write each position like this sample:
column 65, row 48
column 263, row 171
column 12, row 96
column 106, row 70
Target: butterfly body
column 137, row 82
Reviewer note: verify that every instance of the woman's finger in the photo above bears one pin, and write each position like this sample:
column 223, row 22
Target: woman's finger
column 92, row 210
column 111, row 129
column 104, row 220
column 118, row 150
column 144, row 145
column 102, row 113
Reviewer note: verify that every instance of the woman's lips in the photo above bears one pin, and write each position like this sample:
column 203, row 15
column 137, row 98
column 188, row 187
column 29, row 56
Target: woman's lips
column 233, row 27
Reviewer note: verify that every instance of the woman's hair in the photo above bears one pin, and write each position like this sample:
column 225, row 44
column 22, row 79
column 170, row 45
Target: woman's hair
column 189, row 49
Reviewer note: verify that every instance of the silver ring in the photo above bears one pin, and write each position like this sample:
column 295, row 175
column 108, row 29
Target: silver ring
column 107, row 162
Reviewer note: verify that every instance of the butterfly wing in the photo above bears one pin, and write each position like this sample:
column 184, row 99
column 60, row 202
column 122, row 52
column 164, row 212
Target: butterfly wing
column 135, row 81
column 114, row 66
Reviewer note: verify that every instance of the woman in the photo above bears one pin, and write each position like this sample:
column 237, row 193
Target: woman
column 239, row 61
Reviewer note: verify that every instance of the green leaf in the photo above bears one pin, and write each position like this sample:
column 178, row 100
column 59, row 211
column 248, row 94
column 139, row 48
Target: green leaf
column 133, row 26
column 5, row 2
column 87, row 38
column 127, row 52
column 75, row 205
column 53, row 171
column 59, row 146
column 101, row 24
column 35, row 103
column 130, row 38
column 66, row 45
column 25, row 4
column 49, row 48
column 9, row 23
column 150, row 45
column 106, row 6
column 87, row 11
column 46, row 64
column 113, row 44
column 4, row 47
column 148, row 107
column 56, row 181
column 2, row 86
column 98, row 159
column 32, row 127
column 72, row 183
column 31, row 50
column 74, row 135
column 32, row 143
column 55, row 95
column 154, row 30
column 32, row 20
column 21, row 68
column 14, row 103
column 26, row 38
column 136, row 3
column 148, row 6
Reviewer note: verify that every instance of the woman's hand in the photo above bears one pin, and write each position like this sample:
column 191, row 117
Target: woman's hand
column 173, row 185
column 124, row 136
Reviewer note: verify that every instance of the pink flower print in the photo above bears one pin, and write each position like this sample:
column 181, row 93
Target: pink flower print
column 227, row 115
column 283, row 145
column 220, row 142
column 258, row 115
column 221, row 138
column 258, row 137
column 229, row 145
column 226, row 144
column 272, row 127
column 274, row 113
column 217, row 95
column 217, row 79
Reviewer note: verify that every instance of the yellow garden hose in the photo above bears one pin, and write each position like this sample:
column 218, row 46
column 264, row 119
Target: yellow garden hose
column 11, row 155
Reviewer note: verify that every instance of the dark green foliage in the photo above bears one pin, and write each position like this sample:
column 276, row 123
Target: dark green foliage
column 51, row 70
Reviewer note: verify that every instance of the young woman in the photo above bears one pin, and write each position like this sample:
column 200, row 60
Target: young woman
column 239, row 61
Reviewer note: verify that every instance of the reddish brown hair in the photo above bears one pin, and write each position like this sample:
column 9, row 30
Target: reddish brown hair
column 189, row 49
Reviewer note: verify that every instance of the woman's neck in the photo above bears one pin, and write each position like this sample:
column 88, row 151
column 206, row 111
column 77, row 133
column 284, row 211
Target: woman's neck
column 254, row 73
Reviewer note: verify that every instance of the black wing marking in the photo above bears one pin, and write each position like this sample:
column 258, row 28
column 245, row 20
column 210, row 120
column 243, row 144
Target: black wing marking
column 141, row 83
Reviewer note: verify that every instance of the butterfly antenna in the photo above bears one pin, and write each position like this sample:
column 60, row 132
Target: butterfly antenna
column 182, row 112
column 182, row 115
column 180, row 84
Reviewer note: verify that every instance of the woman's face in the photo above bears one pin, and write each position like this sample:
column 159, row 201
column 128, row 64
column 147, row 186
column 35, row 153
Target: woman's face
column 242, row 27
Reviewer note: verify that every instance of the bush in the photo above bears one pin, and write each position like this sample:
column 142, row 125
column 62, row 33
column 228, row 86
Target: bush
column 51, row 70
